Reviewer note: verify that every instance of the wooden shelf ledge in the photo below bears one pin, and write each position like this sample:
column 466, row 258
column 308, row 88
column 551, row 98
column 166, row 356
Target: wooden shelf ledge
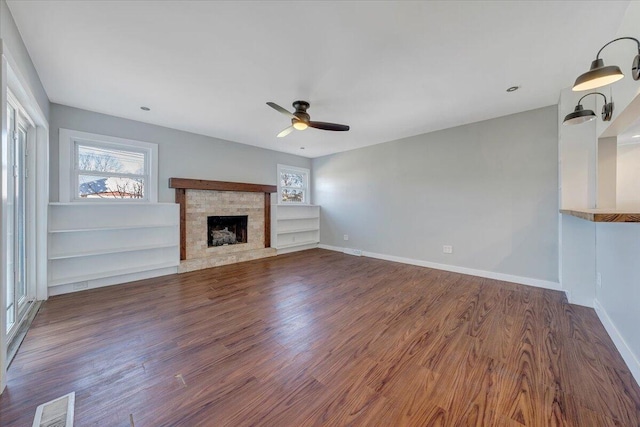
column 603, row 215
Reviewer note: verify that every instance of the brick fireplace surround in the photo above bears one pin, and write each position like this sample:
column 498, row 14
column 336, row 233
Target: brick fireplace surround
column 200, row 199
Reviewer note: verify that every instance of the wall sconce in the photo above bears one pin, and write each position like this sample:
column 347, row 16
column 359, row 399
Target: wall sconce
column 580, row 115
column 599, row 75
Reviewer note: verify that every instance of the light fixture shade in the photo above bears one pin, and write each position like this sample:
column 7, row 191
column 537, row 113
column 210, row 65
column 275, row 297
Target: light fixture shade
column 597, row 76
column 300, row 125
column 579, row 115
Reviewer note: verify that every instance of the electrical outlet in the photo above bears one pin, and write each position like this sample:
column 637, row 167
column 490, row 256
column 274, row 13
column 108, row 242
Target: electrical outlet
column 80, row 285
column 346, row 237
column 447, row 249
column 599, row 280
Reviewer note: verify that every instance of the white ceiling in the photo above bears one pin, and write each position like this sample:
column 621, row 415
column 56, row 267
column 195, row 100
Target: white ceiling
column 387, row 69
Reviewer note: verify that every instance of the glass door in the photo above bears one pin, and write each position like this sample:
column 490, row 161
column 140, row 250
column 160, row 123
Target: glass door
column 18, row 293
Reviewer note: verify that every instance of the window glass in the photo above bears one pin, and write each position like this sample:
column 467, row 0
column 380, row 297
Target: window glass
column 292, row 179
column 93, row 186
column 289, row 195
column 109, row 172
column 99, row 159
column 293, row 185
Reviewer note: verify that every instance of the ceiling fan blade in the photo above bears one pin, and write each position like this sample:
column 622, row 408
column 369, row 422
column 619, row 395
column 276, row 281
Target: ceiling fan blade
column 285, row 132
column 280, row 109
column 328, row 126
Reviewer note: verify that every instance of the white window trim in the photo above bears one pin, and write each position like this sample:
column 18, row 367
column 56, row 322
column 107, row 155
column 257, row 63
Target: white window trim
column 307, row 189
column 67, row 143
column 23, row 115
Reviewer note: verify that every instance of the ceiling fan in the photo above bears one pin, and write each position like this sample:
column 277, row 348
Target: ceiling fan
column 300, row 119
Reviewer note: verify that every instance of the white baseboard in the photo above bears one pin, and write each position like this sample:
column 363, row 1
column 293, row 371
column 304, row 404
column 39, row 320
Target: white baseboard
column 583, row 301
column 331, row 248
column 296, row 248
column 355, row 252
column 538, row 283
column 114, row 280
column 623, row 348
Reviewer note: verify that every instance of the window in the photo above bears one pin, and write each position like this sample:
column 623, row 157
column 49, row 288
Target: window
column 293, row 185
column 104, row 172
column 104, row 168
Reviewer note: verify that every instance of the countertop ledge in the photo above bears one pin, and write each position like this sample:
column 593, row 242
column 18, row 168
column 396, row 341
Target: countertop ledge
column 604, row 215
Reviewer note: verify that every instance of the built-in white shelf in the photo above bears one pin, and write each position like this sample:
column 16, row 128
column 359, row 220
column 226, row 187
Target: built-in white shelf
column 105, row 202
column 90, row 241
column 297, row 230
column 109, row 251
column 111, row 273
column 129, row 227
column 294, row 244
column 301, row 216
column 295, row 227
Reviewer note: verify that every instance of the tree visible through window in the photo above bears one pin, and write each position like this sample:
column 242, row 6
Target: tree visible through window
column 109, row 172
column 293, row 184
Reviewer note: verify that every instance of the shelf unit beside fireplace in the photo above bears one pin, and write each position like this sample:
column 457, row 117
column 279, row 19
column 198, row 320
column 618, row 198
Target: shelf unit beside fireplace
column 101, row 242
column 295, row 227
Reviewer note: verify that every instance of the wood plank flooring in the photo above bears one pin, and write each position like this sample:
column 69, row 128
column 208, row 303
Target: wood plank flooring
column 321, row 338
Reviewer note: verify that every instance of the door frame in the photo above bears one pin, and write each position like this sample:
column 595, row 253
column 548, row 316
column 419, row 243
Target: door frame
column 23, row 123
column 11, row 78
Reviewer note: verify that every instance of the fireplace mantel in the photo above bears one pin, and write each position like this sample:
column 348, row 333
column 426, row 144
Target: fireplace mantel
column 201, row 184
column 181, row 185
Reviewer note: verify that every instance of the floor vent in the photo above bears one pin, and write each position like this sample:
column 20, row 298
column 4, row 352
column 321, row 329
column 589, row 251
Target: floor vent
column 56, row 413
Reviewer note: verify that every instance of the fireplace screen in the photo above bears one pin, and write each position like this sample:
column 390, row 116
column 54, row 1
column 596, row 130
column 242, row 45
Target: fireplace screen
column 226, row 230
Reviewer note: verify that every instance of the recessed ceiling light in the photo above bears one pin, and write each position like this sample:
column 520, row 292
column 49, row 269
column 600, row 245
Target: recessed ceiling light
column 513, row 88
column 635, row 136
column 145, row 108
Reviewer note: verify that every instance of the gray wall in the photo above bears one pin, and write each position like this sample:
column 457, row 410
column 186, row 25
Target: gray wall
column 490, row 189
column 181, row 154
column 13, row 41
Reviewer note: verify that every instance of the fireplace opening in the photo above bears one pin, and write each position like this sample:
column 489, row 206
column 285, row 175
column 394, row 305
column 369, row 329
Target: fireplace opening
column 226, row 230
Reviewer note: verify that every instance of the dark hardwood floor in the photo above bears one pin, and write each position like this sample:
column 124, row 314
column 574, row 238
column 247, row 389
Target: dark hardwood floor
column 321, row 338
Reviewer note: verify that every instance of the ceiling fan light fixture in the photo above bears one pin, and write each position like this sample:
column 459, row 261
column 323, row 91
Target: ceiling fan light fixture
column 300, row 120
column 300, row 125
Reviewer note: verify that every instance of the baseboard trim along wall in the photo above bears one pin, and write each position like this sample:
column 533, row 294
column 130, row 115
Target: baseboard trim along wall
column 623, row 348
column 453, row 268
